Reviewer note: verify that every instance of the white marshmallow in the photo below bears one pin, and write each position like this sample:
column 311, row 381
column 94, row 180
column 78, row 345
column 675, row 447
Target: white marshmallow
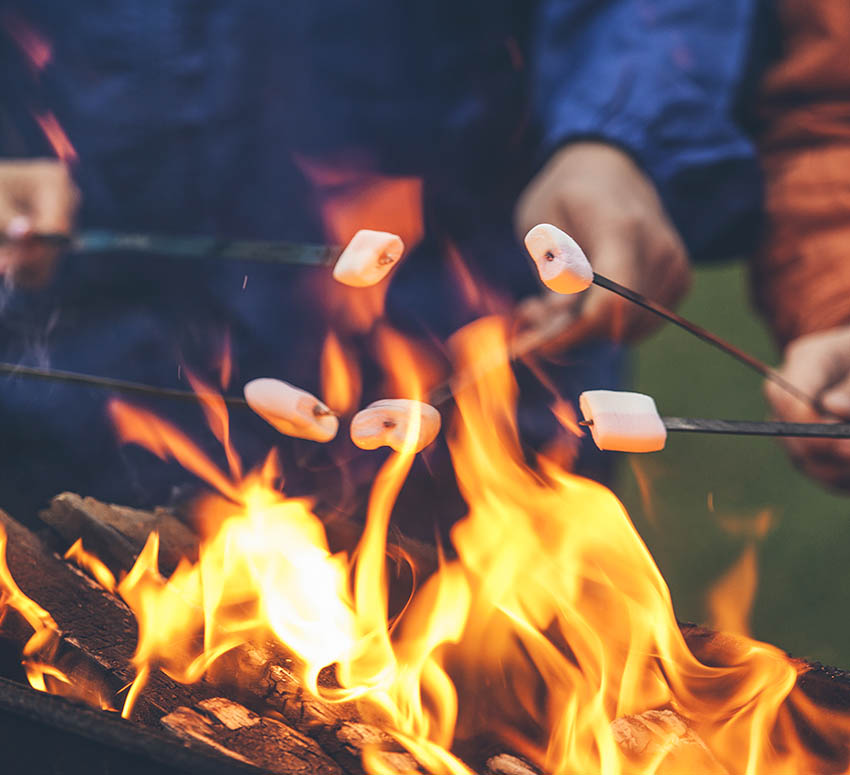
column 560, row 261
column 623, row 422
column 292, row 411
column 368, row 258
column 384, row 423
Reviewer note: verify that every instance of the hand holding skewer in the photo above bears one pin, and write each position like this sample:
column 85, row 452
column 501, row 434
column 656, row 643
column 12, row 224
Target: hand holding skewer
column 36, row 197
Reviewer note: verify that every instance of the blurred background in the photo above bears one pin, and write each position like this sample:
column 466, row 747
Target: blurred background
column 704, row 500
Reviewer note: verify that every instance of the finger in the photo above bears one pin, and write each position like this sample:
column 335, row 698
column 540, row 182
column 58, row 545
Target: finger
column 34, row 265
column 54, row 202
column 836, row 399
column 819, row 450
column 546, row 335
column 833, row 475
column 617, row 255
column 812, row 368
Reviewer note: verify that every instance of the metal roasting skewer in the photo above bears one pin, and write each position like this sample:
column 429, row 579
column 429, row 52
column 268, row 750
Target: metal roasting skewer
column 752, row 428
column 706, row 336
column 673, row 424
column 187, row 247
column 200, row 248
column 119, row 385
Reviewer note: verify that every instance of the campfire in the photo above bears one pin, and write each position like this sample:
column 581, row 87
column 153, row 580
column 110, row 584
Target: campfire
column 543, row 640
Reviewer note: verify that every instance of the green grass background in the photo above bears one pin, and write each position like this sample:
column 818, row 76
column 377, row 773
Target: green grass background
column 803, row 597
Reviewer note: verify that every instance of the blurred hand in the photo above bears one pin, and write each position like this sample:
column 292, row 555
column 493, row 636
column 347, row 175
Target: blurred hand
column 818, row 364
column 36, row 197
column 601, row 198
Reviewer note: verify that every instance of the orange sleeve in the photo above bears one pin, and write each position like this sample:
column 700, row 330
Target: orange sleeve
column 802, row 269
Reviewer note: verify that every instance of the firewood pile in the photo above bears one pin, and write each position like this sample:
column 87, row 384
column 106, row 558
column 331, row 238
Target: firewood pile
column 266, row 720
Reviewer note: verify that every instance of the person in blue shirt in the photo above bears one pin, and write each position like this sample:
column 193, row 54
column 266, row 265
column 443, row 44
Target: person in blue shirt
column 457, row 125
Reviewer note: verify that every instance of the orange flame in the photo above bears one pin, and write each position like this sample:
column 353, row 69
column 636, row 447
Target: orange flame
column 351, row 198
column 553, row 616
column 40, row 650
column 56, row 137
column 139, row 426
column 92, row 564
column 550, row 630
column 29, row 40
column 341, row 380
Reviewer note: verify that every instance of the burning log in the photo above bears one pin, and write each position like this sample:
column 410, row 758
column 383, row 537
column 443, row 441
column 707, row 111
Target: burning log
column 116, row 534
column 264, row 678
column 664, row 740
column 92, row 623
column 344, row 730
column 234, row 730
column 41, row 733
column 505, row 764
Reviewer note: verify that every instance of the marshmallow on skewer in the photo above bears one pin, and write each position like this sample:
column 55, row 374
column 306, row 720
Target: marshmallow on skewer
column 368, row 258
column 292, row 411
column 623, row 422
column 560, row 261
column 384, row 423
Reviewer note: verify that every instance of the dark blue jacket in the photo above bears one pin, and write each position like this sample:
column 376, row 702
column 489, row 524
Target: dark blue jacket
column 188, row 116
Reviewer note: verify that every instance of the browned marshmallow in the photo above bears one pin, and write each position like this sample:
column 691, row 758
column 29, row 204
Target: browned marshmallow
column 292, row 411
column 385, row 423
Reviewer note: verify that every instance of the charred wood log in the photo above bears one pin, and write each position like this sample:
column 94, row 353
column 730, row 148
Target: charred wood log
column 83, row 740
column 266, row 742
column 116, row 534
column 92, row 623
column 345, row 730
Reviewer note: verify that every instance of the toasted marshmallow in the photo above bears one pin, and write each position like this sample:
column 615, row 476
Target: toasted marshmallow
column 560, row 261
column 292, row 411
column 384, row 423
column 623, row 422
column 368, row 258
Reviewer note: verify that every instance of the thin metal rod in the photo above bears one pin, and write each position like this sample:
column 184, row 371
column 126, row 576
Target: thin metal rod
column 186, row 247
column 109, row 383
column 706, row 336
column 768, row 428
column 752, row 428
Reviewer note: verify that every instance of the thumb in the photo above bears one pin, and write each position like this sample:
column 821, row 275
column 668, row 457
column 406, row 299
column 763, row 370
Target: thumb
column 837, row 398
